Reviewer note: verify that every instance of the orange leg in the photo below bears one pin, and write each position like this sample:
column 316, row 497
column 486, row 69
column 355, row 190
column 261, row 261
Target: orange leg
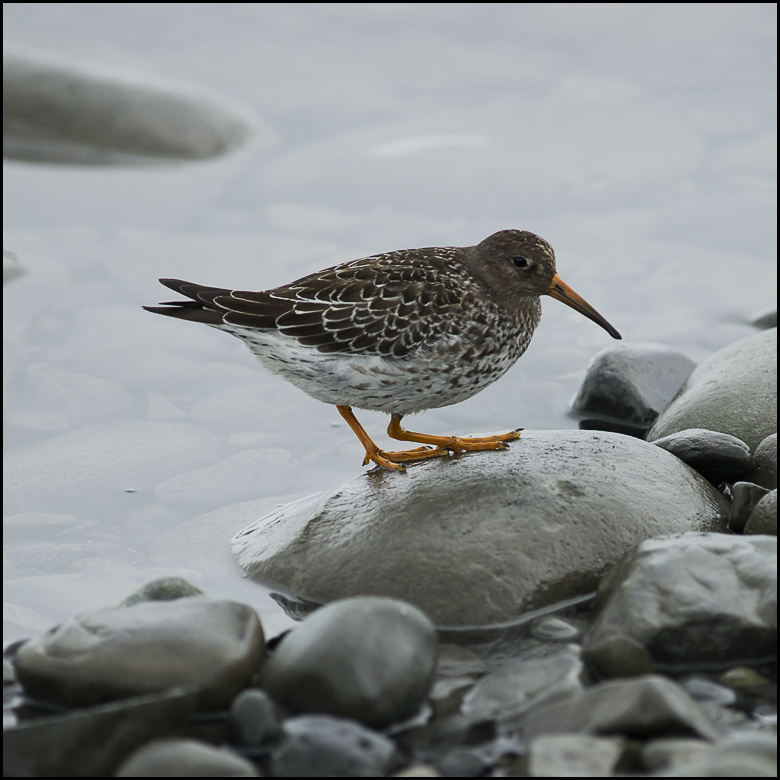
column 454, row 443
column 387, row 460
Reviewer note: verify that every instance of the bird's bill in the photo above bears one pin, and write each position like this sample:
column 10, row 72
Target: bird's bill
column 563, row 293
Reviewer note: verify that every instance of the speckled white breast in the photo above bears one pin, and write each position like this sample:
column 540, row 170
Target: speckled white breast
column 450, row 371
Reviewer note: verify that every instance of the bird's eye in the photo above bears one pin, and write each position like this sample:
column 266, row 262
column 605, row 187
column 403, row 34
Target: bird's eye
column 520, row 262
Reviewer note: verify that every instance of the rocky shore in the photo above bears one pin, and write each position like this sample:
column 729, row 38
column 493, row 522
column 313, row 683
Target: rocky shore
column 590, row 603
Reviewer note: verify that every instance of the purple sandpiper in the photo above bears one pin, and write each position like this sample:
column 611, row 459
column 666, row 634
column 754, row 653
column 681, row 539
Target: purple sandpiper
column 398, row 332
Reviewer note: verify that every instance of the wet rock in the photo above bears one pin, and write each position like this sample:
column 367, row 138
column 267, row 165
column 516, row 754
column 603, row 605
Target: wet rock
column 476, row 540
column 764, row 470
column 56, row 112
column 672, row 752
column 639, row 707
column 461, row 762
column 185, row 758
column 508, row 693
column 630, row 384
column 253, row 720
column 734, row 391
column 693, row 598
column 574, row 755
column 92, row 742
column 617, row 655
column 744, row 755
column 164, row 589
column 213, row 645
column 552, row 628
column 706, row 691
column 716, row 456
column 367, row 658
column 746, row 496
column 763, row 519
column 457, row 661
column 766, row 320
column 324, row 746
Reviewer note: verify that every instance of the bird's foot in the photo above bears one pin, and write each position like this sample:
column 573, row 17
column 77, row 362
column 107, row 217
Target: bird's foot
column 393, row 461
column 452, row 443
column 475, row 443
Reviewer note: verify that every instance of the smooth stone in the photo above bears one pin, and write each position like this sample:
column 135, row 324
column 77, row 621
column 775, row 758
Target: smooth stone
column 253, row 720
column 733, row 391
column 764, row 471
column 745, row 498
column 672, row 752
column 366, row 658
column 93, row 742
column 185, row 758
column 553, row 628
column 716, row 456
column 693, row 598
column 461, row 762
column 741, row 677
column 324, row 746
column 66, row 113
column 215, row 646
column 744, row 754
column 706, row 691
column 163, row 589
column 639, row 707
column 631, row 383
column 418, row 770
column 617, row 655
column 766, row 320
column 485, row 537
column 457, row 661
column 508, row 693
column 574, row 755
column 763, row 520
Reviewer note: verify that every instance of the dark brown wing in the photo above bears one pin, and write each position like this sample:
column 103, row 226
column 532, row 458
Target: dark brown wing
column 381, row 305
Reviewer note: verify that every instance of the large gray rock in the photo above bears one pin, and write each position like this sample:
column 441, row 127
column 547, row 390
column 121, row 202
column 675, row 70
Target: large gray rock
column 510, row 691
column 324, row 746
column 56, row 112
column 716, row 456
column 639, row 707
column 574, row 755
column 763, row 519
column 630, row 384
column 214, row 646
column 93, row 741
column 693, row 598
column 764, row 470
column 370, row 659
column 734, row 391
column 484, row 537
column 185, row 758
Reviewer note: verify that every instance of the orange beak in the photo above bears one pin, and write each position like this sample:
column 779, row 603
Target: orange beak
column 563, row 293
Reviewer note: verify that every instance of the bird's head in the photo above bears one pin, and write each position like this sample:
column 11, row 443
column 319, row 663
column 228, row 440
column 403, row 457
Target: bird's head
column 518, row 267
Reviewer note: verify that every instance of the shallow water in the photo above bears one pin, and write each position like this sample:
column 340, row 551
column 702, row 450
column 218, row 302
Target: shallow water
column 638, row 139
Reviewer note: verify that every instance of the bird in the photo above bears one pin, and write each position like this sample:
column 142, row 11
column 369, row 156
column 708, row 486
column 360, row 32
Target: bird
column 399, row 332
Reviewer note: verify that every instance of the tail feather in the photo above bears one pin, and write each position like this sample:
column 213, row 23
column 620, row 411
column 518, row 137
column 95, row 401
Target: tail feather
column 200, row 307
